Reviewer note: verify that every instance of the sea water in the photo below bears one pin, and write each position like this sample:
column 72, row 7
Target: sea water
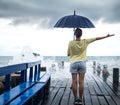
column 4, row 60
column 53, row 63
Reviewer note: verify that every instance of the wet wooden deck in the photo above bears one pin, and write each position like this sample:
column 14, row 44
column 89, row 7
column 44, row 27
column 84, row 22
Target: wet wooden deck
column 97, row 92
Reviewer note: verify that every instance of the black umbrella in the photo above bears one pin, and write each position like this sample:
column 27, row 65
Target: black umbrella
column 74, row 21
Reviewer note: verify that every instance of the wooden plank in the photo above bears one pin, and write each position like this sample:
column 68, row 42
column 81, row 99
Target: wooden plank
column 102, row 100
column 110, row 100
column 97, row 92
column 112, row 94
column 51, row 96
column 64, row 82
column 101, row 87
column 96, row 87
column 65, row 97
column 59, row 83
column 53, row 82
column 90, row 85
column 116, row 99
column 110, row 91
column 116, row 88
column 58, row 97
column 95, row 100
column 87, row 97
column 69, row 83
column 71, row 99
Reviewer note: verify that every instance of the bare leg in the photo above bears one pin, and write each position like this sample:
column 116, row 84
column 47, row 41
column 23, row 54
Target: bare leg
column 74, row 84
column 81, row 85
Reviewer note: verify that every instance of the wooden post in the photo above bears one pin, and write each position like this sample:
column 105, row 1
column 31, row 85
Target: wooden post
column 115, row 76
column 43, row 68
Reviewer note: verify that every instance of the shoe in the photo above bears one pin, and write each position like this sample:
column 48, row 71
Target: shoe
column 78, row 102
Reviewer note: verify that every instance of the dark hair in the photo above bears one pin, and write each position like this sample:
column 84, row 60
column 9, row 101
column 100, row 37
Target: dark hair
column 78, row 32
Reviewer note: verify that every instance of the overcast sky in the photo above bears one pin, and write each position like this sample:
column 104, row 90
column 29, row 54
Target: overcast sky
column 49, row 11
column 30, row 23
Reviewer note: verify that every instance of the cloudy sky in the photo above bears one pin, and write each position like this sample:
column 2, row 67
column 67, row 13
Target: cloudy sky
column 30, row 24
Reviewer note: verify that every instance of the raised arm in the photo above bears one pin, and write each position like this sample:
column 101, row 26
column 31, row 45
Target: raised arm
column 102, row 37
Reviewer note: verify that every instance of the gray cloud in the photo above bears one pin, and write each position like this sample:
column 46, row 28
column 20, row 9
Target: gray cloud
column 47, row 12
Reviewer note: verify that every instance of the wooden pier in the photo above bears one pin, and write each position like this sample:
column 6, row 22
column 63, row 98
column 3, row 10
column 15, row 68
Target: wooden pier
column 97, row 91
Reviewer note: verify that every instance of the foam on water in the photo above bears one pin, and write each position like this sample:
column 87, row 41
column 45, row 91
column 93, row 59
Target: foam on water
column 26, row 55
column 52, row 62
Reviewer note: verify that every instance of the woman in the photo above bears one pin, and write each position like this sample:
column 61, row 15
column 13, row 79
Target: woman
column 77, row 53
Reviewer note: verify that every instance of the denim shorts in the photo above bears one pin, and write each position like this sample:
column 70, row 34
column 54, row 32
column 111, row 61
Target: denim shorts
column 78, row 67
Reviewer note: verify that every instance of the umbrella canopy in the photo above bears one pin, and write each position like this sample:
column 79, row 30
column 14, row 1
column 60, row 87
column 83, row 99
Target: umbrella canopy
column 74, row 21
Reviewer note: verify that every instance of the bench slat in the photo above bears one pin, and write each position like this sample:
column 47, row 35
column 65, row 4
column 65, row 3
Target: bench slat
column 13, row 93
column 42, row 73
column 46, row 77
column 22, row 99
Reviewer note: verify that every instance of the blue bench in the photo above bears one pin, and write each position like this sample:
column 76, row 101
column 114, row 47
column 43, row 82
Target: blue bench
column 24, row 98
column 32, row 82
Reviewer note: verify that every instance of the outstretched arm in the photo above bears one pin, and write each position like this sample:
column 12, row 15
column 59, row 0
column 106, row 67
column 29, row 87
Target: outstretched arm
column 102, row 37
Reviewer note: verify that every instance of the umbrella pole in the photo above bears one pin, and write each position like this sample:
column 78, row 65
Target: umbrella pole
column 73, row 33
